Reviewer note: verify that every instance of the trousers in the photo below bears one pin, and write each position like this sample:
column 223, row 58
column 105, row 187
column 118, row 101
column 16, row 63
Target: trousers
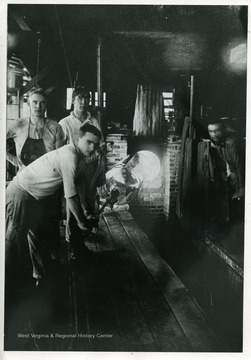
column 25, row 237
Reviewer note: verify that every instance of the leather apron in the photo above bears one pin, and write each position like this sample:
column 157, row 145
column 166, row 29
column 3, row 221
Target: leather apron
column 32, row 148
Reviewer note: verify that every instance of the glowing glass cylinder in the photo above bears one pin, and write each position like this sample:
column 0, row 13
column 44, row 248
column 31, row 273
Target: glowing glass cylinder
column 129, row 177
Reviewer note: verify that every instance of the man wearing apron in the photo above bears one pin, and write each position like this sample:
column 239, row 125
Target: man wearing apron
column 92, row 173
column 34, row 136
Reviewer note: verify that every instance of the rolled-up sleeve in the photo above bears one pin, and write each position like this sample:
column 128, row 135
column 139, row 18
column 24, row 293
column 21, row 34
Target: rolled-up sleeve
column 68, row 167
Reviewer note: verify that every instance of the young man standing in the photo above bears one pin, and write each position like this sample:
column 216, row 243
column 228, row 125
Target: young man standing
column 79, row 116
column 92, row 173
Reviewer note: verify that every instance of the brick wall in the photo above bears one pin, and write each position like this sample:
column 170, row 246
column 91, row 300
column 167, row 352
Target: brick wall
column 155, row 200
column 170, row 174
column 147, row 208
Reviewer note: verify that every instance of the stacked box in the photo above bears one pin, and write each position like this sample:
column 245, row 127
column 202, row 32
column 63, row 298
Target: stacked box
column 116, row 149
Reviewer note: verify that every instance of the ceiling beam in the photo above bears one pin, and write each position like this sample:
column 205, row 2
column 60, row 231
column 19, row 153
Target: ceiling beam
column 41, row 75
column 148, row 34
column 20, row 21
column 51, row 89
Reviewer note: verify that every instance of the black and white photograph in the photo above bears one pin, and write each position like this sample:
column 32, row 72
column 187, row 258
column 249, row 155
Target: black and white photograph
column 125, row 157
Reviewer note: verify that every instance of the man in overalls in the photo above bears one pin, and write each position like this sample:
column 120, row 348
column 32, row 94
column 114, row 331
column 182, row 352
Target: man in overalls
column 34, row 136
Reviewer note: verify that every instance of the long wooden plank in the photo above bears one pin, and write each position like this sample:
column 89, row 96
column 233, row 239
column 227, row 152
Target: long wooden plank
column 96, row 321
column 191, row 319
column 225, row 256
column 135, row 331
column 79, row 311
column 101, row 320
column 164, row 326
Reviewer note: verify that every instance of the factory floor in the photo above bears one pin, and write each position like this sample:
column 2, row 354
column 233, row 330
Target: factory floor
column 124, row 297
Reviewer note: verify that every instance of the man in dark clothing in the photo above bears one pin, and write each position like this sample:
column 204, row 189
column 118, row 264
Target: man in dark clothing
column 226, row 165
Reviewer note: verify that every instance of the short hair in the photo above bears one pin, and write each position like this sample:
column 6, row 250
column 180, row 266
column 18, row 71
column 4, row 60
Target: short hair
column 89, row 128
column 39, row 91
column 80, row 90
column 214, row 121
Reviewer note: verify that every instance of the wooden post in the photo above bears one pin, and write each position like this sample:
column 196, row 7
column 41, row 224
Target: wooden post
column 181, row 166
column 191, row 107
column 202, row 184
column 99, row 78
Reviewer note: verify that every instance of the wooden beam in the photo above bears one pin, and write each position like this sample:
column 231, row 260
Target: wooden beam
column 148, row 34
column 181, row 165
column 41, row 75
column 51, row 89
column 21, row 23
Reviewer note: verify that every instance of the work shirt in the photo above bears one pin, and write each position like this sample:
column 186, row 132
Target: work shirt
column 88, row 179
column 52, row 135
column 71, row 124
column 221, row 154
column 44, row 176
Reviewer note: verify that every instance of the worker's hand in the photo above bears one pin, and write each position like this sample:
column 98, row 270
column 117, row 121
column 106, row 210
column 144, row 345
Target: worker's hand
column 103, row 192
column 238, row 194
column 102, row 146
column 91, row 222
column 101, row 150
column 82, row 226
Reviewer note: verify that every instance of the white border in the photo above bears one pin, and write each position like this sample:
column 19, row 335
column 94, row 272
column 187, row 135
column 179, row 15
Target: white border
column 247, row 278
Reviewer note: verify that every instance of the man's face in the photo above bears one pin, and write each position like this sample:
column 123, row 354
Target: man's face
column 37, row 104
column 81, row 102
column 216, row 133
column 88, row 143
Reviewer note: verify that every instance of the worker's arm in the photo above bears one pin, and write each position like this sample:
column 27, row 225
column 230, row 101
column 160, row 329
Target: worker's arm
column 75, row 207
column 61, row 138
column 11, row 128
column 11, row 158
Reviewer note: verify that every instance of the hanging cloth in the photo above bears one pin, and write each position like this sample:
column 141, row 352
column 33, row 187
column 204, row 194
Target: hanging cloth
column 32, row 148
column 148, row 114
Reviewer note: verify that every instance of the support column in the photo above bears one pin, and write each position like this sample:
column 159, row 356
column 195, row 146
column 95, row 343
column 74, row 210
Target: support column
column 99, row 78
